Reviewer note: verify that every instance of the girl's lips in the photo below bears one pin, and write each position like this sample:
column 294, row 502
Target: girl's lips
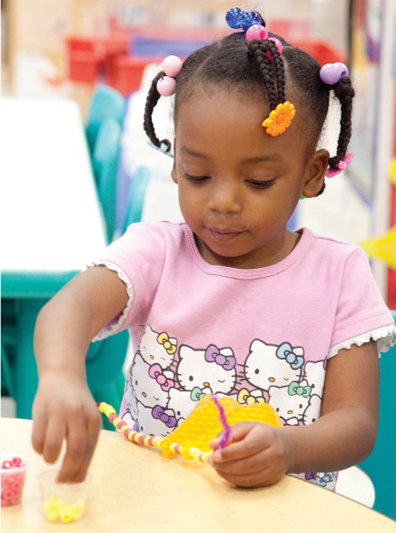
column 224, row 236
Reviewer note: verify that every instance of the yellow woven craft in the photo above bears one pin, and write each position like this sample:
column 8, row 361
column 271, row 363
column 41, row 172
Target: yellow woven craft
column 191, row 439
column 202, row 425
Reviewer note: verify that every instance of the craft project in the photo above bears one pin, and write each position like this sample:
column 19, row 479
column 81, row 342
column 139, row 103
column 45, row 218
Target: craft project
column 191, row 439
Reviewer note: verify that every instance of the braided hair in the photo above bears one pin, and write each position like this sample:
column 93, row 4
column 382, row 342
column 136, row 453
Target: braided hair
column 256, row 67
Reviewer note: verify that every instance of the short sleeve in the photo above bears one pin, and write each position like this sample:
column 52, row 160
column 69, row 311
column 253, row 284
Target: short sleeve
column 138, row 258
column 360, row 306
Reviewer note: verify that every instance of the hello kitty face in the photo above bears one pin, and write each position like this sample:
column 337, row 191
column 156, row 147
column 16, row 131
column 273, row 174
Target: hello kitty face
column 150, row 383
column 156, row 421
column 212, row 369
column 290, row 402
column 157, row 348
column 315, row 376
column 312, row 412
column 183, row 402
column 268, row 365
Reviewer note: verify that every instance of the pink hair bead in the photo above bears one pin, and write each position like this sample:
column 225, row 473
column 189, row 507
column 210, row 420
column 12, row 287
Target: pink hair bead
column 278, row 45
column 120, row 424
column 166, row 86
column 112, row 417
column 257, row 31
column 172, row 65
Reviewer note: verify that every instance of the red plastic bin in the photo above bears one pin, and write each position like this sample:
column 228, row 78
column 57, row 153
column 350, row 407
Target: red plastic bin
column 85, row 57
column 124, row 73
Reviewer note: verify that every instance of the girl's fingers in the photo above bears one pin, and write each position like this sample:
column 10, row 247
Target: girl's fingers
column 38, row 433
column 93, row 429
column 75, row 450
column 249, row 466
column 247, row 439
column 54, row 434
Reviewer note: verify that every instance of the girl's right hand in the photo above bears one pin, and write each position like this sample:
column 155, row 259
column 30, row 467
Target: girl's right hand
column 64, row 409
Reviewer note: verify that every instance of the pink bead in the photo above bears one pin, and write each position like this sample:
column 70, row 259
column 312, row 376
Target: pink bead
column 16, row 461
column 126, row 432
column 172, row 65
column 112, row 417
column 257, row 31
column 166, row 86
column 120, row 424
column 279, row 46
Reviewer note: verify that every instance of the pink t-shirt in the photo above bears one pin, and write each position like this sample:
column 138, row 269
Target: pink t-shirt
column 260, row 335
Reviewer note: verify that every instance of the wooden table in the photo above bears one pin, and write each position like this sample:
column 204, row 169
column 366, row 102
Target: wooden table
column 135, row 489
column 50, row 214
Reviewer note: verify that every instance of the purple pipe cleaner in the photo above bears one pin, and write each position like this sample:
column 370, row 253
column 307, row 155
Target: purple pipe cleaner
column 223, row 420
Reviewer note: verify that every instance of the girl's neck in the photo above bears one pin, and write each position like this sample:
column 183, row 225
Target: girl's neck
column 268, row 255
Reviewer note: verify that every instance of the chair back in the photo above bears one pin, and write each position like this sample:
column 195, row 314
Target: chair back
column 105, row 164
column 380, row 466
column 136, row 196
column 105, row 103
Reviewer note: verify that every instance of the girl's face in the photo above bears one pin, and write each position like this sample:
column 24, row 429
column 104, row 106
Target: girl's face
column 238, row 186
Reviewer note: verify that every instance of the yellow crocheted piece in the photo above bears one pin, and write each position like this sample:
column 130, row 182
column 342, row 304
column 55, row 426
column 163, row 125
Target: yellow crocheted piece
column 202, row 425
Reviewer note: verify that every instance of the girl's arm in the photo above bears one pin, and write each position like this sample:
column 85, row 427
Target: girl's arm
column 63, row 407
column 343, row 436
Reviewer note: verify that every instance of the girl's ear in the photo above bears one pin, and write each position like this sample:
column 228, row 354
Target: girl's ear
column 174, row 171
column 317, row 167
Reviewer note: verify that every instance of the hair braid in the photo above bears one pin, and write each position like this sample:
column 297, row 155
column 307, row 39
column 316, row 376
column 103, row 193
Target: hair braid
column 345, row 93
column 151, row 101
column 279, row 70
column 259, row 50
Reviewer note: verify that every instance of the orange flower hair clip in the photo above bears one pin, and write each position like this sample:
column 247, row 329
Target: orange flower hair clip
column 279, row 119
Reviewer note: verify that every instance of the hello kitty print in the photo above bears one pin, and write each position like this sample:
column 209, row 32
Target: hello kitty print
column 173, row 378
column 167, row 379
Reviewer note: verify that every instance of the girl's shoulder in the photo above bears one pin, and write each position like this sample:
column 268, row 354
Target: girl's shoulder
column 330, row 248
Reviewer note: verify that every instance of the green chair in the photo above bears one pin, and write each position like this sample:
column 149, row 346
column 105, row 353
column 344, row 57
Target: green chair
column 105, row 165
column 105, row 103
column 136, row 196
column 380, row 466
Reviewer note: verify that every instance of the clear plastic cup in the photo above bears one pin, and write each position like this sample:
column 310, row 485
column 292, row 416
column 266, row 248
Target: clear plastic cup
column 62, row 502
column 13, row 474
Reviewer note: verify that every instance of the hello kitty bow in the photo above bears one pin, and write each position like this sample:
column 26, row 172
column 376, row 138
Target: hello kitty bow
column 285, row 351
column 159, row 414
column 213, row 355
column 155, row 372
column 296, row 388
column 164, row 340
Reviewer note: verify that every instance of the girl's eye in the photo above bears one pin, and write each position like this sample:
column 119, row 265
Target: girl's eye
column 196, row 179
column 261, row 184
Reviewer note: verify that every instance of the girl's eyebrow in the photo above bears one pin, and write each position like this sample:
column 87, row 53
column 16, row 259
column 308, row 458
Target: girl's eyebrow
column 255, row 159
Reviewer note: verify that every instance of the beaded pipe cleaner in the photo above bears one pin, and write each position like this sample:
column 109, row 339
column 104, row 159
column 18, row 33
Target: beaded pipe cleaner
column 191, row 439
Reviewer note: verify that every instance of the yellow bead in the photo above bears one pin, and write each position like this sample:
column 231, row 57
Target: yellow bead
column 157, row 442
column 52, row 515
column 146, row 441
column 79, row 505
column 130, row 436
column 65, row 517
column 116, row 421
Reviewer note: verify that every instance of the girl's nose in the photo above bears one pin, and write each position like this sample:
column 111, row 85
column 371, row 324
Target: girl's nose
column 225, row 198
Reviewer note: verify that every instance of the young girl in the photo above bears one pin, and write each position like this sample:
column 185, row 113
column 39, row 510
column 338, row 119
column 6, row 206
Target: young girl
column 229, row 301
